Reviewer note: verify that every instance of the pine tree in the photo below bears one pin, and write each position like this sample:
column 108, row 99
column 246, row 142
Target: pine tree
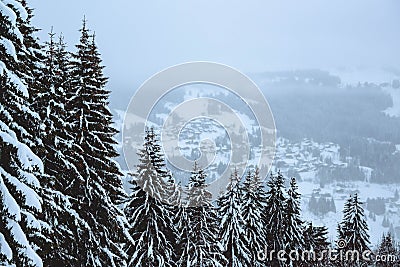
column 33, row 54
column 149, row 220
column 172, row 191
column 232, row 232
column 387, row 248
column 19, row 166
column 293, row 237
column 99, row 186
column 183, row 248
column 275, row 216
column 316, row 240
column 201, row 247
column 169, row 193
column 60, row 222
column 107, row 168
column 177, row 213
column 354, row 229
column 254, row 203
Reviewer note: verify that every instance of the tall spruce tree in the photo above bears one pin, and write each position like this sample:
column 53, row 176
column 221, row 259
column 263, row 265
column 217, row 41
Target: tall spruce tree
column 315, row 240
column 293, row 223
column 169, row 192
column 235, row 242
column 252, row 209
column 201, row 247
column 353, row 229
column 275, row 216
column 19, row 166
column 97, row 191
column 61, row 223
column 150, row 224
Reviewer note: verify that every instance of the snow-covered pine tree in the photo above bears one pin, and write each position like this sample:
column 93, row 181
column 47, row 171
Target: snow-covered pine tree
column 149, row 220
column 316, row 240
column 232, row 232
column 98, row 190
column 202, row 247
column 31, row 56
column 177, row 213
column 353, row 228
column 50, row 102
column 169, row 193
column 275, row 216
column 252, row 209
column 61, row 224
column 183, row 247
column 157, row 158
column 293, row 237
column 387, row 248
column 19, row 166
column 101, row 125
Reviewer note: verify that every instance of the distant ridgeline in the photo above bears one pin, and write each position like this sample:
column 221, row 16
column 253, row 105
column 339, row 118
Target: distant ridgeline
column 317, row 106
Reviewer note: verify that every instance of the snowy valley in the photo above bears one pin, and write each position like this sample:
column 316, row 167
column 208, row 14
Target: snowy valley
column 324, row 169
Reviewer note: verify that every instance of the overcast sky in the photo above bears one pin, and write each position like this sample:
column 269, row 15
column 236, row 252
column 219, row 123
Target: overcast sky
column 139, row 38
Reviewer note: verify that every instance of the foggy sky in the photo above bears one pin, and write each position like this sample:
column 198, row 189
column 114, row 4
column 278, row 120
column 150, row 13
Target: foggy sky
column 139, row 38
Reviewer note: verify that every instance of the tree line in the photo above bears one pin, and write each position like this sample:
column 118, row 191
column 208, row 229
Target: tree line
column 249, row 219
column 61, row 197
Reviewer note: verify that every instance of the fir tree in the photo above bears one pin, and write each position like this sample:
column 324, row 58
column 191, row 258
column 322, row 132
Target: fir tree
column 254, row 203
column 32, row 55
column 201, row 247
column 149, row 220
column 99, row 186
column 293, row 237
column 61, row 223
column 275, row 215
column 354, row 229
column 386, row 250
column 177, row 213
column 183, row 247
column 316, row 240
column 168, row 193
column 235, row 242
column 19, row 166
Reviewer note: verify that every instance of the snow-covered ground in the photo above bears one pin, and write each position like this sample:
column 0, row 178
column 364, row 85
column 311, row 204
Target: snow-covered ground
column 340, row 193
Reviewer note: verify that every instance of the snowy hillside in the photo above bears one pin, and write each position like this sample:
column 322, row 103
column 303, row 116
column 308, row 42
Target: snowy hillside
column 308, row 161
